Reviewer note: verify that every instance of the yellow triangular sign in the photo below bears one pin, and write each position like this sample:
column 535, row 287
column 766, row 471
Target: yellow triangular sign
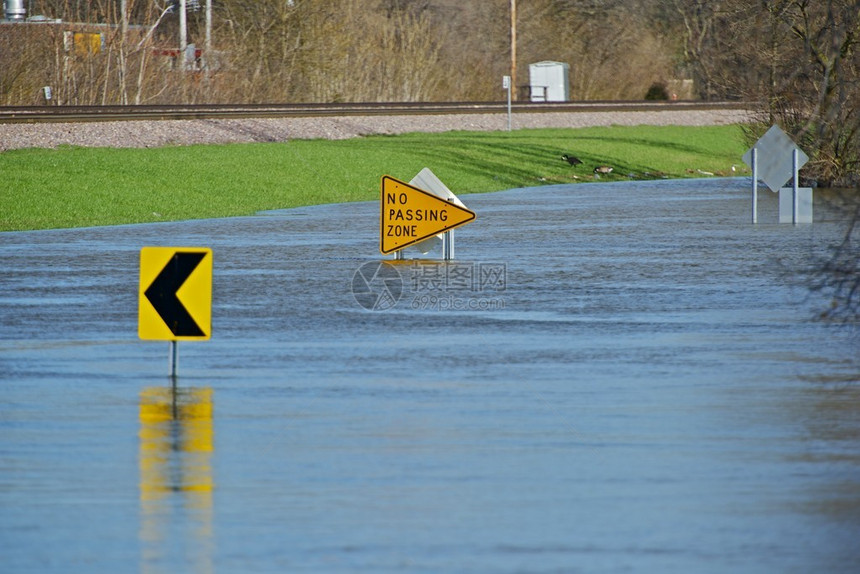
column 410, row 215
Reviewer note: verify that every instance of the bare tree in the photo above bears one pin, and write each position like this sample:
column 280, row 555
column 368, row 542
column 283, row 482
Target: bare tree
column 798, row 58
column 612, row 51
column 263, row 40
column 829, row 85
column 343, row 50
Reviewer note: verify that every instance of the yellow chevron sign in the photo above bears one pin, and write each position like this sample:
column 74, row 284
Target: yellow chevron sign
column 175, row 295
column 410, row 215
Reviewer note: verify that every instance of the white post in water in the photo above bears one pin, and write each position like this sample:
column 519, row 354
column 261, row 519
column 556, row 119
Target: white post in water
column 754, row 185
column 448, row 245
column 795, row 208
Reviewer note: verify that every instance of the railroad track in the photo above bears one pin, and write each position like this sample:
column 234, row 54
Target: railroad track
column 39, row 114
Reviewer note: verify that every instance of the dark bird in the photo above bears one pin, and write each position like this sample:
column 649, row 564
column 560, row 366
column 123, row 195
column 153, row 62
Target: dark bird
column 603, row 169
column 572, row 160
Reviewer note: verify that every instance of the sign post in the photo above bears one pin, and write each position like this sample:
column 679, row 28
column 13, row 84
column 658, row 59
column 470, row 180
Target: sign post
column 506, row 84
column 175, row 297
column 754, row 185
column 795, row 168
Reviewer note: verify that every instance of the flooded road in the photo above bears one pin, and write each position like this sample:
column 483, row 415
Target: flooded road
column 609, row 378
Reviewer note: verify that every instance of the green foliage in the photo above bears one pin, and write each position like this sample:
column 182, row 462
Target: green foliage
column 77, row 187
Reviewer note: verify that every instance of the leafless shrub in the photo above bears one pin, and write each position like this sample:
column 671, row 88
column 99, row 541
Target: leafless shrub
column 23, row 73
column 799, row 59
column 611, row 54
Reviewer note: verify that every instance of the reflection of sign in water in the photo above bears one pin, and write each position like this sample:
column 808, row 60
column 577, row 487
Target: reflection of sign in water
column 176, row 445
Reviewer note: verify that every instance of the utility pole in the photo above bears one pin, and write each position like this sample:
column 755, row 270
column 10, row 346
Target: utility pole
column 207, row 47
column 123, row 9
column 514, row 48
column 183, row 34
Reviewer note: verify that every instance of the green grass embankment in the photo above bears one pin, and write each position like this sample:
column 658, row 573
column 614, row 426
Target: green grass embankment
column 77, row 187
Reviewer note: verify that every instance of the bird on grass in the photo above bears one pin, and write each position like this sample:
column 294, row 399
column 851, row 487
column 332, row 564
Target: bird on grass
column 604, row 169
column 572, row 160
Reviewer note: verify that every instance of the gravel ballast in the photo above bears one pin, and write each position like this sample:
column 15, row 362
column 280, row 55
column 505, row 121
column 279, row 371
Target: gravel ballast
column 157, row 133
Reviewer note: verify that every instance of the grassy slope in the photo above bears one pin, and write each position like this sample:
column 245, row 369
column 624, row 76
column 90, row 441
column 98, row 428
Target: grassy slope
column 73, row 187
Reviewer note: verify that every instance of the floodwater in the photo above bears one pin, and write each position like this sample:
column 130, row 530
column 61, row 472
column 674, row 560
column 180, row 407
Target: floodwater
column 609, row 378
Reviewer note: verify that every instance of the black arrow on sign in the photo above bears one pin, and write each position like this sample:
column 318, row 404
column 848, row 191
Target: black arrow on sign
column 162, row 294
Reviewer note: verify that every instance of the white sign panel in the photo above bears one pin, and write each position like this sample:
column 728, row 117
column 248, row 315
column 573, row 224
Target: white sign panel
column 774, row 158
column 804, row 205
column 428, row 181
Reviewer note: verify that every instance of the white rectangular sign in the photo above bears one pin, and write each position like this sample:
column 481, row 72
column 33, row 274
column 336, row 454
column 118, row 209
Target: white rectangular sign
column 804, row 205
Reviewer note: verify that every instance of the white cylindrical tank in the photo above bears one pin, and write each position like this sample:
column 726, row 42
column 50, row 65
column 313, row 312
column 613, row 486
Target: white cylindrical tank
column 15, row 10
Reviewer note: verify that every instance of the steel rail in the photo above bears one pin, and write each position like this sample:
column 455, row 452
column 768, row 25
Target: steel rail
column 39, row 114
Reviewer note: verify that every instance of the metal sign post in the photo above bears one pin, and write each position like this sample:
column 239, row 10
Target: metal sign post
column 448, row 245
column 794, row 193
column 754, row 185
column 173, row 359
column 506, row 84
